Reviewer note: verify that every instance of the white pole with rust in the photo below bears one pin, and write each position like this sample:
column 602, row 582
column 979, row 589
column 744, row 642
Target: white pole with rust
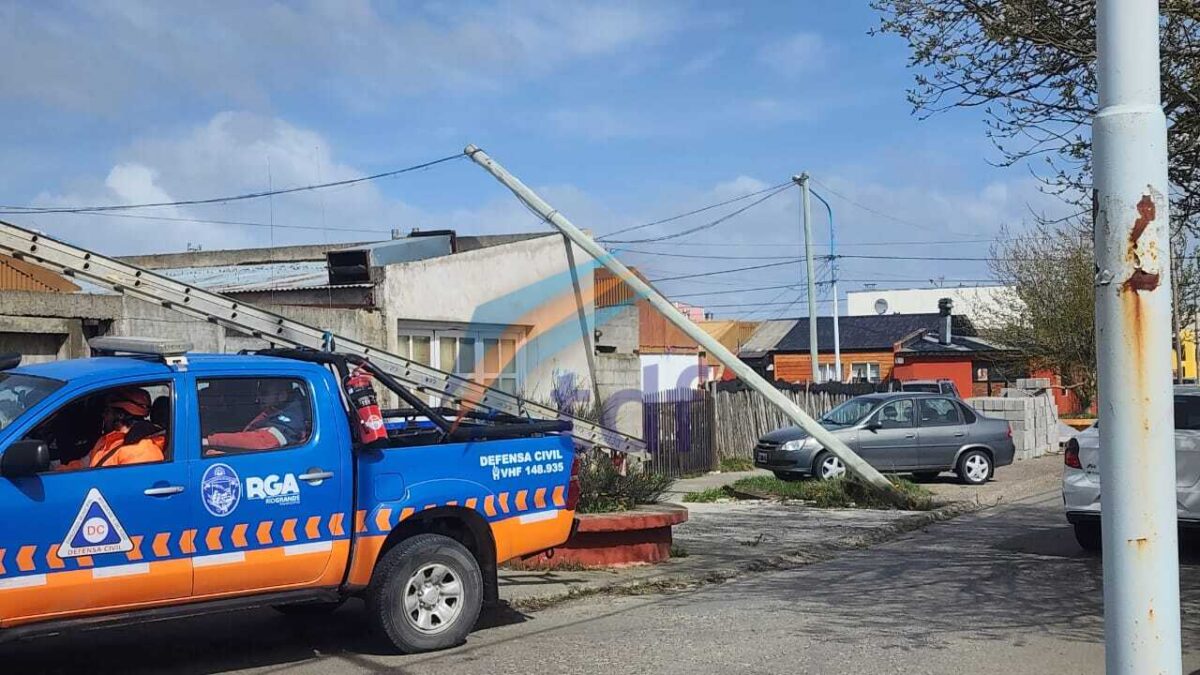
column 1133, row 332
column 715, row 349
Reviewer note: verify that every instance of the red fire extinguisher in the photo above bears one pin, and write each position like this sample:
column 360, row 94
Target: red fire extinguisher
column 362, row 397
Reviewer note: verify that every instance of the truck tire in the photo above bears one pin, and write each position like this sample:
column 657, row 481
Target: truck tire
column 425, row 594
column 1087, row 534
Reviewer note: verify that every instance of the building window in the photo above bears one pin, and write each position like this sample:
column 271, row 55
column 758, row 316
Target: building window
column 864, row 372
column 827, row 372
column 490, row 356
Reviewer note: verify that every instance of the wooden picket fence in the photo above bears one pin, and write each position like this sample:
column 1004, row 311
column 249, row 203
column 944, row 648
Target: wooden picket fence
column 678, row 428
column 741, row 417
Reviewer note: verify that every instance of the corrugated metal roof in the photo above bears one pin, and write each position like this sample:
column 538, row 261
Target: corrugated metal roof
column 766, row 337
column 284, row 276
column 18, row 275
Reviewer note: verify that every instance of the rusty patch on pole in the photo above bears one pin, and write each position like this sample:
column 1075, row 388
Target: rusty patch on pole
column 1140, row 279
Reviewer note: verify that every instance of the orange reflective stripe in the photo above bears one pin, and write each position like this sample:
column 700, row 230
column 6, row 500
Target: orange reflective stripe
column 360, row 521
column 84, row 561
column 539, row 498
column 312, row 529
column 135, row 553
column 161, row 540
column 521, row 504
column 559, row 499
column 471, row 503
column 453, row 502
column 489, row 505
column 264, row 532
column 25, row 558
column 187, row 542
column 213, row 540
column 335, row 524
column 2, row 570
column 289, row 529
column 383, row 519
column 239, row 535
column 406, row 513
column 504, row 502
column 52, row 559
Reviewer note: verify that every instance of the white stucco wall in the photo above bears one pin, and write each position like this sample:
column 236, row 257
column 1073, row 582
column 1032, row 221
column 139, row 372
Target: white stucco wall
column 526, row 285
column 974, row 302
column 664, row 372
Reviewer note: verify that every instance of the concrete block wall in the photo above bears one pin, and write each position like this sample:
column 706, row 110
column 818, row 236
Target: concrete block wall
column 618, row 377
column 1033, row 420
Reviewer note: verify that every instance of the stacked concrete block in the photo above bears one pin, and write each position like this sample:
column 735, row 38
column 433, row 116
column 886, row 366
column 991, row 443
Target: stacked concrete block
column 1033, row 420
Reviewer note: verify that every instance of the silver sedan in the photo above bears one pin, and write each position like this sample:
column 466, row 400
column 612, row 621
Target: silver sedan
column 1081, row 473
column 901, row 432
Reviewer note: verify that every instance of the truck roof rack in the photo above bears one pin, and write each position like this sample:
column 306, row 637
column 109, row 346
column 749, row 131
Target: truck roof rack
column 171, row 352
column 129, row 280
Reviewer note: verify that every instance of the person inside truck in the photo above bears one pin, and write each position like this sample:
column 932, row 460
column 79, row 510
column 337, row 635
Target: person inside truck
column 127, row 436
column 282, row 418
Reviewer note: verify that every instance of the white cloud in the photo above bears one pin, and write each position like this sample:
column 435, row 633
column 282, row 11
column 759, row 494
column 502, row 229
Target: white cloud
column 112, row 56
column 796, row 54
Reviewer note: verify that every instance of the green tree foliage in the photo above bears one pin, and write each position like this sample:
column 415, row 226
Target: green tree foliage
column 1030, row 66
column 1049, row 316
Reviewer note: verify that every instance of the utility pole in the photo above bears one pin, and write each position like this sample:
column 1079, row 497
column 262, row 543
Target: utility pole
column 1133, row 330
column 854, row 464
column 837, row 337
column 806, row 221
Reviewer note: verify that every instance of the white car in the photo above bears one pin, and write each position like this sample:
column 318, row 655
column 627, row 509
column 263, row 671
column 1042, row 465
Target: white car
column 1081, row 474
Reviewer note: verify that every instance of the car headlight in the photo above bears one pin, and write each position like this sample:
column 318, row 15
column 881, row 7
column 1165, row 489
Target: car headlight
column 793, row 446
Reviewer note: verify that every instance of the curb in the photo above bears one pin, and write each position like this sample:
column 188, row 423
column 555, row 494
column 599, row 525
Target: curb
column 690, row 579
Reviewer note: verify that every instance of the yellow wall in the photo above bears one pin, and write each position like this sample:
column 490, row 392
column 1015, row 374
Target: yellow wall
column 1189, row 355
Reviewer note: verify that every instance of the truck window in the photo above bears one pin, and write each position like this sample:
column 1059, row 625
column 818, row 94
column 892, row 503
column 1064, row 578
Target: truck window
column 252, row 414
column 19, row 393
column 114, row 426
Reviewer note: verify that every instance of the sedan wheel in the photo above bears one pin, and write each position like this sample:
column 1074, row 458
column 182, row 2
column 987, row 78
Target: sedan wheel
column 974, row 467
column 827, row 467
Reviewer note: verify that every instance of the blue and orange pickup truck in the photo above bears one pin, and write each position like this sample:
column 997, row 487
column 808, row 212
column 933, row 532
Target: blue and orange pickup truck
column 252, row 486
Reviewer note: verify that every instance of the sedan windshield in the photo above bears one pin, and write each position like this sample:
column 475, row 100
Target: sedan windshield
column 850, row 412
column 19, row 393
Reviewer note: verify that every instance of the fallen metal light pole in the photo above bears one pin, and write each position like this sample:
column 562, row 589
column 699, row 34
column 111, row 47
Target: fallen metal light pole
column 855, row 464
column 1133, row 331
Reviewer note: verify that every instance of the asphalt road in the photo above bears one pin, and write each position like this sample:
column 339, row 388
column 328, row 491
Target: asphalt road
column 999, row 592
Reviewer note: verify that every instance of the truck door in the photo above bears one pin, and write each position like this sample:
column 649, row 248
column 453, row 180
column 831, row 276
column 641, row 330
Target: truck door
column 89, row 540
column 269, row 478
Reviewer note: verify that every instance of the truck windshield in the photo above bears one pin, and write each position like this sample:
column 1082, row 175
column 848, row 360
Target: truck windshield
column 19, row 393
column 850, row 412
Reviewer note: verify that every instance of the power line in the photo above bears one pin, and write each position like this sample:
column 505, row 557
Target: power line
column 869, row 209
column 698, row 228
column 736, row 269
column 696, row 211
column 241, row 223
column 14, row 210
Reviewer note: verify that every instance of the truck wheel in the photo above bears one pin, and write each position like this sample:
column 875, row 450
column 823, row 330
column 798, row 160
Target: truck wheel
column 425, row 594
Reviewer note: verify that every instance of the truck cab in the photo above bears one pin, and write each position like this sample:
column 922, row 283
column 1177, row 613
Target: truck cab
column 263, row 494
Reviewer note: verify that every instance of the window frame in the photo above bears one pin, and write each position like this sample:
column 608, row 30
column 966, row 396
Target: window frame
column 941, row 397
column 478, row 334
column 227, row 453
column 169, row 449
column 877, row 416
column 868, row 365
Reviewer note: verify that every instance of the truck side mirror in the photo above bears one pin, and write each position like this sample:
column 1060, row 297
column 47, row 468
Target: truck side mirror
column 26, row 457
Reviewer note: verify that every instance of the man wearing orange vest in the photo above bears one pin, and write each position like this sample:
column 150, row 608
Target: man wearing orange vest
column 128, row 437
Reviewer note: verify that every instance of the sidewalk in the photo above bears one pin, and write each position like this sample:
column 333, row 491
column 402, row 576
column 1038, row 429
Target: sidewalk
column 708, row 481
column 725, row 540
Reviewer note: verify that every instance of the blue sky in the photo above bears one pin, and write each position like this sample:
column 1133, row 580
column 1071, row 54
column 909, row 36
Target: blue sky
column 620, row 113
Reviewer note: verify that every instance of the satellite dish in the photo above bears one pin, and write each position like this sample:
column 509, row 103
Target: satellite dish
column 881, row 306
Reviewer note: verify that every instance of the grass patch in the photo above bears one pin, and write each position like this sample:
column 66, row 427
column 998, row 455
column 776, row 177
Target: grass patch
column 840, row 493
column 678, row 551
column 736, row 464
column 706, row 496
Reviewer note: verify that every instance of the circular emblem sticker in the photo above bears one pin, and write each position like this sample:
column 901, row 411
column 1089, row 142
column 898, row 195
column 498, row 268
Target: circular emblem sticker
column 220, row 489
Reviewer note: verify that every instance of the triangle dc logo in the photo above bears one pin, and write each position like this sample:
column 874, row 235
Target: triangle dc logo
column 96, row 530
